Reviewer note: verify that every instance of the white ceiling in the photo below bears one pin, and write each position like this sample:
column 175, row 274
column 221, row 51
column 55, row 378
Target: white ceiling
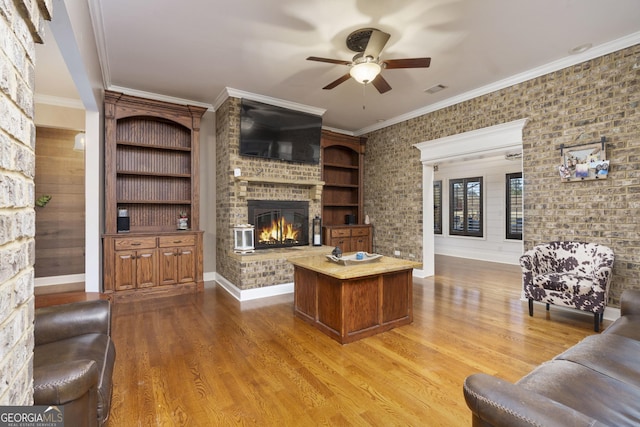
column 194, row 49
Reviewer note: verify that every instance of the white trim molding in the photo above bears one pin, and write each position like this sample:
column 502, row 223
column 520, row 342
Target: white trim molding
column 255, row 293
column 228, row 91
column 59, row 280
column 486, row 142
column 595, row 52
column 159, row 97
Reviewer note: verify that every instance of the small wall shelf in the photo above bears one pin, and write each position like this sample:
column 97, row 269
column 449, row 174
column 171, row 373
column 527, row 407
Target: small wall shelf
column 315, row 187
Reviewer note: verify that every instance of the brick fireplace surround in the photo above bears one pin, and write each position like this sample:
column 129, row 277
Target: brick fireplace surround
column 248, row 276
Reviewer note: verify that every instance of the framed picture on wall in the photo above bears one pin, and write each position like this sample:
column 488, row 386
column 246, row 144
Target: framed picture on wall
column 583, row 162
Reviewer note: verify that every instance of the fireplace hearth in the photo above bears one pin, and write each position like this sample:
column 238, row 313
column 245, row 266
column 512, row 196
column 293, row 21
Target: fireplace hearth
column 279, row 223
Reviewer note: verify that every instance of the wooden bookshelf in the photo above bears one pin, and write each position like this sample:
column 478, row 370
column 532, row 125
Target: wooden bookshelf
column 151, row 170
column 342, row 171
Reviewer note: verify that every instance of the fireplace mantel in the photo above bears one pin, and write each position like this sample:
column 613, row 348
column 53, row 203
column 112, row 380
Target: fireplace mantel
column 315, row 187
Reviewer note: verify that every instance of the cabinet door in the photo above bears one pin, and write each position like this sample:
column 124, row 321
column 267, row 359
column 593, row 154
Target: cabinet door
column 344, row 243
column 146, row 268
column 168, row 266
column 360, row 244
column 187, row 265
column 125, row 270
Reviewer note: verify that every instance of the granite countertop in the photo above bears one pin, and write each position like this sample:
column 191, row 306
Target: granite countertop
column 321, row 264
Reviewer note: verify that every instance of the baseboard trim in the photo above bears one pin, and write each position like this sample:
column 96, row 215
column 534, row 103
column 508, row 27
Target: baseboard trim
column 252, row 294
column 59, row 284
column 59, row 280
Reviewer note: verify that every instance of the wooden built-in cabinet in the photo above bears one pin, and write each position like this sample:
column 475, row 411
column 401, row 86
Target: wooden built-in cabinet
column 151, row 170
column 342, row 194
column 144, row 264
column 342, row 171
column 349, row 238
column 177, row 259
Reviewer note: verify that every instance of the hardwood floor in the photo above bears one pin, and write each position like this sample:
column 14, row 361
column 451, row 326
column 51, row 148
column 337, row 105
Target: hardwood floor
column 208, row 360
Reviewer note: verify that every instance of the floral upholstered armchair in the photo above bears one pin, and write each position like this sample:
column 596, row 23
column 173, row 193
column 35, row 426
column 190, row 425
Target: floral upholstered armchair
column 570, row 274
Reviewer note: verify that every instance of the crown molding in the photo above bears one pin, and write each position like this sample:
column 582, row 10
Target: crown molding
column 159, row 97
column 235, row 93
column 595, row 52
column 58, row 101
column 97, row 22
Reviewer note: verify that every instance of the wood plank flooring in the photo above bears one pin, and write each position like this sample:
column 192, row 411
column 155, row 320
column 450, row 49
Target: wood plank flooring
column 208, row 360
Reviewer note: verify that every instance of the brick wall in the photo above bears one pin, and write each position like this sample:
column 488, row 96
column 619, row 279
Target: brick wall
column 232, row 209
column 600, row 97
column 20, row 27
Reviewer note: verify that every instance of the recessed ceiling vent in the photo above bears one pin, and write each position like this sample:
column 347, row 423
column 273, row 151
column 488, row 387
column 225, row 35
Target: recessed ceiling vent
column 435, row 89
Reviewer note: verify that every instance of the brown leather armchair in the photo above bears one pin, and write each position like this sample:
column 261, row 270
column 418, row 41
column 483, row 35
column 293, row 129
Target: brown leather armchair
column 73, row 360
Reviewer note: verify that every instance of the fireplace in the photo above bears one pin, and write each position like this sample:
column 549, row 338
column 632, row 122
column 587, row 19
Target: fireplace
column 279, row 223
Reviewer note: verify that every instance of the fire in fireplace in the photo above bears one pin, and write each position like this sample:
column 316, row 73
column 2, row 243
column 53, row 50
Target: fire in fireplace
column 279, row 223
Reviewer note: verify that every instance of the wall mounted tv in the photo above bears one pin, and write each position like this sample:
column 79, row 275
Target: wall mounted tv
column 273, row 132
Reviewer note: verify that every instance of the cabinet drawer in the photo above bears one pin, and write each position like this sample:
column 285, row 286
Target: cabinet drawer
column 360, row 232
column 340, row 232
column 135, row 243
column 186, row 240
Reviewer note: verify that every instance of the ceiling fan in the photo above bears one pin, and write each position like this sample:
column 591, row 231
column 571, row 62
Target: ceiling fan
column 366, row 65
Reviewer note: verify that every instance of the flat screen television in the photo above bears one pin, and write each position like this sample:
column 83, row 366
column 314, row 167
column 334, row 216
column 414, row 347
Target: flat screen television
column 279, row 133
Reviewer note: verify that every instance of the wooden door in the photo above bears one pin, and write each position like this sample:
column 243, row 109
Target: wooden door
column 125, row 270
column 344, row 243
column 360, row 244
column 168, row 266
column 361, row 239
column 186, row 265
column 146, row 268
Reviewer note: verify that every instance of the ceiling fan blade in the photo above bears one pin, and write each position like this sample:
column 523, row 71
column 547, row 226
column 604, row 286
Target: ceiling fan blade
column 330, row 61
column 407, row 63
column 377, row 41
column 381, row 84
column 337, row 81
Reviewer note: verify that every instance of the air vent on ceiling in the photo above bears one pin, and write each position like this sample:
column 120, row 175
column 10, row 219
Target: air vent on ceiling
column 435, row 89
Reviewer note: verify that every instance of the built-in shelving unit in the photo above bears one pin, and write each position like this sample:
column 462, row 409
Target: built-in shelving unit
column 342, row 160
column 151, row 171
column 342, row 195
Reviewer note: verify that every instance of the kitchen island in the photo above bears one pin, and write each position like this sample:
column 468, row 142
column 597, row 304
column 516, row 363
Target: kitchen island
column 350, row 302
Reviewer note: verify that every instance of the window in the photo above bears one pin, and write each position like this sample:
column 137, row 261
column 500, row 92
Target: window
column 514, row 206
column 437, row 207
column 465, row 211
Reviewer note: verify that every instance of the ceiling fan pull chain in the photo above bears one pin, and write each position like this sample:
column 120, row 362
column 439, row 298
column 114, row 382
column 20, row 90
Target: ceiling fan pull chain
column 364, row 91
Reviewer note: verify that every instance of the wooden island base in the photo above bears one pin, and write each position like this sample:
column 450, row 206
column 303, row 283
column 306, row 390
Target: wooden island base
column 348, row 303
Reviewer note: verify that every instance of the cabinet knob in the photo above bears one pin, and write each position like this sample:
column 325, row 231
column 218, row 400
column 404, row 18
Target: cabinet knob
column 136, row 244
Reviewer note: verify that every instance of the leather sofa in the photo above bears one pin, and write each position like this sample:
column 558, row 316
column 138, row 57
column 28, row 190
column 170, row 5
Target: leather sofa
column 594, row 383
column 73, row 360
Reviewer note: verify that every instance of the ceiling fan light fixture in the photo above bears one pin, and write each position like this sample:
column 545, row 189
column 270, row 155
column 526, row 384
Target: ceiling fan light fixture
column 365, row 72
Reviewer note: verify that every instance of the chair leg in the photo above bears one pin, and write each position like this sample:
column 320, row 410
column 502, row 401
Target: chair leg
column 596, row 322
column 547, row 307
column 530, row 307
